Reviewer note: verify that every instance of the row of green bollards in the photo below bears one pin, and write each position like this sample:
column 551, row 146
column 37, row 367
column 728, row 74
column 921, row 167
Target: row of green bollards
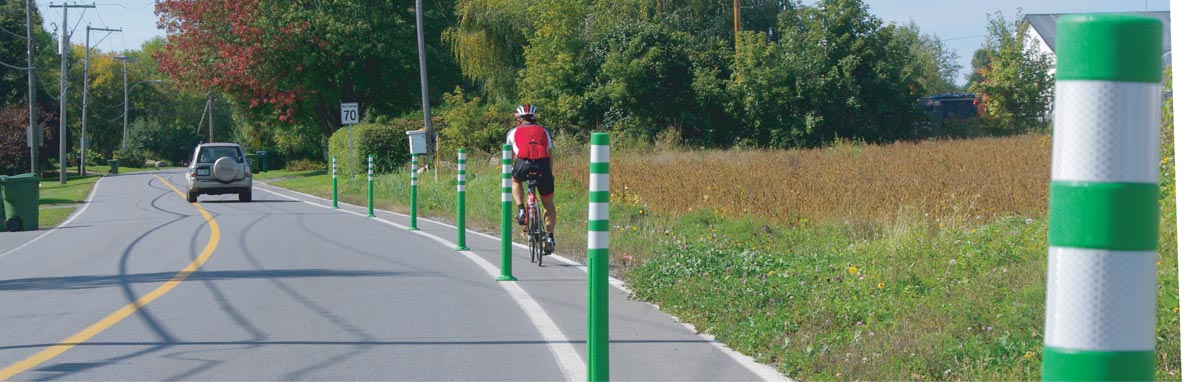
column 597, row 236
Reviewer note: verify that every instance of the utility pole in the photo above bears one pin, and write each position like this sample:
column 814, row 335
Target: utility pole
column 82, row 136
column 736, row 19
column 736, row 29
column 124, row 61
column 34, row 129
column 210, row 105
column 64, row 50
column 425, row 84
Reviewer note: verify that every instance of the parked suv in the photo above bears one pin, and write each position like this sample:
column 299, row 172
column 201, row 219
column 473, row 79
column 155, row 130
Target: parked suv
column 219, row 168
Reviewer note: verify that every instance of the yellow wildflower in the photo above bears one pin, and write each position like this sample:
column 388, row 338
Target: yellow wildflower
column 1028, row 355
column 852, row 269
column 880, row 286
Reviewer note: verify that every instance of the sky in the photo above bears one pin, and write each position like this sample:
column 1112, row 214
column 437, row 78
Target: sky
column 960, row 24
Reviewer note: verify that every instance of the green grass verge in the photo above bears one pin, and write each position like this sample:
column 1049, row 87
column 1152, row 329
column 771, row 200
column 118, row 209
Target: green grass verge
column 283, row 174
column 57, row 201
column 921, row 298
column 50, row 217
column 74, row 191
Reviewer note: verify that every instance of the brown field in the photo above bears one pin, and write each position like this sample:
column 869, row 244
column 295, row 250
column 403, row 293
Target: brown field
column 972, row 179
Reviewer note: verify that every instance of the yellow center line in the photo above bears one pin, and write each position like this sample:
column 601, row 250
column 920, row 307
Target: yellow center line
column 115, row 317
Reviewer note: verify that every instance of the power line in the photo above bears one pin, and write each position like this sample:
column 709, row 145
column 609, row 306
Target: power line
column 142, row 8
column 14, row 66
column 964, row 37
column 22, row 37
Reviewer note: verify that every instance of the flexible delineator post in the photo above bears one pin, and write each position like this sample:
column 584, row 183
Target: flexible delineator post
column 597, row 239
column 413, row 195
column 462, row 200
column 1100, row 308
column 371, row 211
column 334, row 182
column 506, row 216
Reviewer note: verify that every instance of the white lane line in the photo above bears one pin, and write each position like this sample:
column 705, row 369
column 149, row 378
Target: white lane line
column 74, row 215
column 567, row 358
column 765, row 372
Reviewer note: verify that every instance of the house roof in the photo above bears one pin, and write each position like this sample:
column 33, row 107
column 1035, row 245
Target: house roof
column 1046, row 26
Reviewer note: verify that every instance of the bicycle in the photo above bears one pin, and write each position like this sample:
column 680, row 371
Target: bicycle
column 535, row 226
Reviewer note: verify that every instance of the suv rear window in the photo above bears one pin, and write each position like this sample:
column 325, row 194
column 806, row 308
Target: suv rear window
column 211, row 154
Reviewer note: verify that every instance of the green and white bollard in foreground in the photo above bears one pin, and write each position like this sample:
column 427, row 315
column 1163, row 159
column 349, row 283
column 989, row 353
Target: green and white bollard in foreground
column 413, row 196
column 462, row 200
column 334, row 182
column 597, row 238
column 506, row 216
column 1100, row 308
column 371, row 211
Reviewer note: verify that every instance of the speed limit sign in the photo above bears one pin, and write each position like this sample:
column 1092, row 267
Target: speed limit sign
column 350, row 113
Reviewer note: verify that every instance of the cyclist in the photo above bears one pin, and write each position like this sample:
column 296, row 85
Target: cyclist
column 531, row 146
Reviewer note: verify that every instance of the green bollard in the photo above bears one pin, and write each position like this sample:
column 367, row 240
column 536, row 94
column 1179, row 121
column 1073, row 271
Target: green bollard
column 506, row 217
column 371, row 210
column 462, row 207
column 596, row 258
column 1104, row 201
column 413, row 196
column 334, row 182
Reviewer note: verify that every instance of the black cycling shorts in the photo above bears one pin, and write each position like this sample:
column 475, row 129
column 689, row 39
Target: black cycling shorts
column 540, row 170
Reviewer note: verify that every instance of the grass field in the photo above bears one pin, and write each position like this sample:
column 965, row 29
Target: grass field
column 910, row 261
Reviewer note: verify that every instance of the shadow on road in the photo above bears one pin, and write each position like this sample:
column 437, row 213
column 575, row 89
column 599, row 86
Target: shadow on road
column 345, row 343
column 100, row 281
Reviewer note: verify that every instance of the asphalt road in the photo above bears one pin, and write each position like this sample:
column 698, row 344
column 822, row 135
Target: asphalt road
column 140, row 285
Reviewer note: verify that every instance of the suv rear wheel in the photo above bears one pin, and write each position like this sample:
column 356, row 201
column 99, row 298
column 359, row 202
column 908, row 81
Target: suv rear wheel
column 191, row 197
column 245, row 195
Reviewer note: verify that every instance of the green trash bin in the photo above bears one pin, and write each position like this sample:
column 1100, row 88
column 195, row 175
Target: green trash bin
column 3, row 178
column 253, row 162
column 114, row 166
column 263, row 160
column 22, row 195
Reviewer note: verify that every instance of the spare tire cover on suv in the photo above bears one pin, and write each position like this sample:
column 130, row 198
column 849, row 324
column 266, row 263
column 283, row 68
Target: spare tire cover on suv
column 225, row 169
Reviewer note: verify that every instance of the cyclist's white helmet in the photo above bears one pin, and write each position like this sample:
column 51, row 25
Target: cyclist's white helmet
column 526, row 110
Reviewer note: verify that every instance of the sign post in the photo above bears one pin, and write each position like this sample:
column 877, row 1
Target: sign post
column 349, row 111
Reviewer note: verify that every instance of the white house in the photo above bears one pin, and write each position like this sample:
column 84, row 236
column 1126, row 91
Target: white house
column 1043, row 28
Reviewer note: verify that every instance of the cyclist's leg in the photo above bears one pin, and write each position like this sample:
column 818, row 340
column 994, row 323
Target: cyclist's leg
column 545, row 188
column 517, row 192
column 517, row 177
column 550, row 212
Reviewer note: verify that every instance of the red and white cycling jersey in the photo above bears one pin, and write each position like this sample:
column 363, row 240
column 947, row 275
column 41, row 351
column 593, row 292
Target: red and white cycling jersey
column 530, row 142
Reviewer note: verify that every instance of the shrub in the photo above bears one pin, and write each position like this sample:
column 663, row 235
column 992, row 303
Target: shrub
column 471, row 125
column 304, row 165
column 388, row 142
column 14, row 151
column 130, row 157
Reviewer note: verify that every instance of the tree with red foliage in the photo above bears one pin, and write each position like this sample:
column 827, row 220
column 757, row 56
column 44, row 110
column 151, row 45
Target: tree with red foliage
column 294, row 62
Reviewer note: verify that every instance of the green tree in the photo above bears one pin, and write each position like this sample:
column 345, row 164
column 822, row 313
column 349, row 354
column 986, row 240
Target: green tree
column 980, row 60
column 558, row 65
column 488, row 41
column 291, row 63
column 1016, row 91
column 849, row 75
column 932, row 67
